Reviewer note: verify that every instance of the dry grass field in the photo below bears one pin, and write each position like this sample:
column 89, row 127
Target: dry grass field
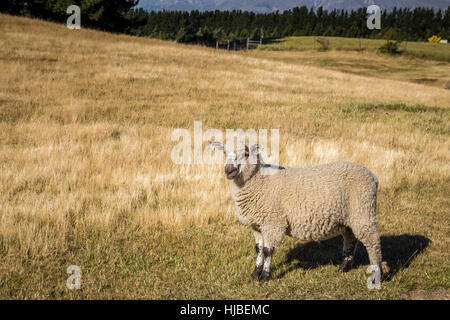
column 86, row 177
column 369, row 64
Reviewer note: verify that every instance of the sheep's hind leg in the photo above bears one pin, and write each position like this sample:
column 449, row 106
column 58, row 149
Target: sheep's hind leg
column 259, row 255
column 371, row 240
column 348, row 250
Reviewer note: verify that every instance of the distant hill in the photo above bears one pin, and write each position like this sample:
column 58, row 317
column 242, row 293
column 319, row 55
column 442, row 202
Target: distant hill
column 273, row 5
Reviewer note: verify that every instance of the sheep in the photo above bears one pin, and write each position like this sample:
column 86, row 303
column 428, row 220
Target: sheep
column 308, row 203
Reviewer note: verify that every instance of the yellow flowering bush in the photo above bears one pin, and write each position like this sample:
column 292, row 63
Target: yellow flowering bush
column 434, row 39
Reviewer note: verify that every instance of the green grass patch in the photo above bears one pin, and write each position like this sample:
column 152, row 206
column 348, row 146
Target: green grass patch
column 425, row 50
column 395, row 107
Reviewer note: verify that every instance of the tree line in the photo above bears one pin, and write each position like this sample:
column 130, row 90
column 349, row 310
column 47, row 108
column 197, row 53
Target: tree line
column 207, row 27
column 107, row 15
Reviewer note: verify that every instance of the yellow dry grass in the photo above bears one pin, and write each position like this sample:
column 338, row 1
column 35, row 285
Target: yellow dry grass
column 368, row 63
column 65, row 92
column 86, row 120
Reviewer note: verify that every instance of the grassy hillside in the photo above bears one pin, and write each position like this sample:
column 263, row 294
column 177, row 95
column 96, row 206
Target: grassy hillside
column 374, row 67
column 86, row 177
column 432, row 51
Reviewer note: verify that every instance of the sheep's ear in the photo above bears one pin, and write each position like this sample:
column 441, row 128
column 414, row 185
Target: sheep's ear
column 256, row 149
column 218, row 146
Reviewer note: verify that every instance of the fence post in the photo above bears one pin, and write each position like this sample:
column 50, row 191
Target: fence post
column 228, row 44
column 247, row 42
column 314, row 42
column 234, row 45
column 217, row 44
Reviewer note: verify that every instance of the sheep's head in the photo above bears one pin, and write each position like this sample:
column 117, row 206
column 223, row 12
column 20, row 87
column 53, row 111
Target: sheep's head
column 241, row 162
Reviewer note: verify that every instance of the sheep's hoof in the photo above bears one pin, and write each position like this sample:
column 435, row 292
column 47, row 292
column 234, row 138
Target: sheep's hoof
column 265, row 276
column 256, row 273
column 346, row 265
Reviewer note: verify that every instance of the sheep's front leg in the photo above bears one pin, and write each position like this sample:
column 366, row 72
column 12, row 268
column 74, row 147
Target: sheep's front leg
column 259, row 255
column 273, row 234
column 266, row 272
column 348, row 250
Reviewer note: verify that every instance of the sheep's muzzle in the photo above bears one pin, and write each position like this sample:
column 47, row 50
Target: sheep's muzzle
column 231, row 171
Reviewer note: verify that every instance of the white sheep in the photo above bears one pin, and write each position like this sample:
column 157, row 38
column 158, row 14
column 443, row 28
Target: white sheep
column 307, row 203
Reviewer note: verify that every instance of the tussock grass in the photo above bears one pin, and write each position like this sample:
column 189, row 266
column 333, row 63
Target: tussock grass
column 86, row 178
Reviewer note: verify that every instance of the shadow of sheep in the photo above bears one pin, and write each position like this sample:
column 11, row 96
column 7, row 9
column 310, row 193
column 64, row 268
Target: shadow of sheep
column 398, row 252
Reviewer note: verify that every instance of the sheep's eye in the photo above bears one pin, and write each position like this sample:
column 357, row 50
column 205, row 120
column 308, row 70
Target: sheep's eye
column 241, row 157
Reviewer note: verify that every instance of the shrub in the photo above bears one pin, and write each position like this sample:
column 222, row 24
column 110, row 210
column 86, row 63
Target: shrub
column 434, row 39
column 391, row 47
column 324, row 44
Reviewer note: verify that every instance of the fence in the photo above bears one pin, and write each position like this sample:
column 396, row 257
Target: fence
column 325, row 43
column 239, row 44
column 254, row 43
